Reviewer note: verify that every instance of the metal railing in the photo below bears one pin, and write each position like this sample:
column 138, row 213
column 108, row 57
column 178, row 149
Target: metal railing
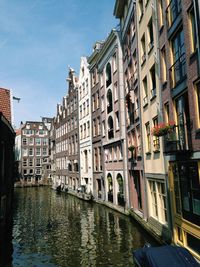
column 177, row 72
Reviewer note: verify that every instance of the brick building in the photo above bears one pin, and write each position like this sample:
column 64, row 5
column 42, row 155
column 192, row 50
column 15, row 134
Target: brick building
column 34, row 140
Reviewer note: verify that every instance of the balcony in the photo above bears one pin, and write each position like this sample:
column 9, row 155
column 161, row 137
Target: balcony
column 177, row 72
column 172, row 12
column 179, row 140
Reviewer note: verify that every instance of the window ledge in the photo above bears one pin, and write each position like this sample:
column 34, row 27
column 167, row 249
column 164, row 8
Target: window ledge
column 148, row 153
column 156, row 151
column 153, row 97
column 145, row 105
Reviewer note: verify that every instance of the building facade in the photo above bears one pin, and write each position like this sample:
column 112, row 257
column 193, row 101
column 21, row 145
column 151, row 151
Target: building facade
column 34, row 148
column 179, row 56
column 67, row 138
column 85, row 128
column 127, row 14
column 110, row 68
column 98, row 178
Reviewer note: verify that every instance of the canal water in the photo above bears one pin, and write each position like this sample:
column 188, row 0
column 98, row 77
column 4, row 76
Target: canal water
column 53, row 229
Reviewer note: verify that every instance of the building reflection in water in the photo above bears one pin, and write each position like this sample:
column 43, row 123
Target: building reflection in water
column 61, row 230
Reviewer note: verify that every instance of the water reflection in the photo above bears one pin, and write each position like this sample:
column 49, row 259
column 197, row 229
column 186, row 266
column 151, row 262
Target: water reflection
column 60, row 230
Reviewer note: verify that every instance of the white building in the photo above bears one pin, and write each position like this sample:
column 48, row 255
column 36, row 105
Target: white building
column 85, row 130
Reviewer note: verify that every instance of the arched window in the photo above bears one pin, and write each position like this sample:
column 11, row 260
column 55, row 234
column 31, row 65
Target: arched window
column 109, row 100
column 120, row 183
column 120, row 194
column 108, row 75
column 110, row 187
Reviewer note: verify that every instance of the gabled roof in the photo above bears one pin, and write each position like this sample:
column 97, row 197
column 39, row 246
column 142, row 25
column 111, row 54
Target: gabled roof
column 5, row 105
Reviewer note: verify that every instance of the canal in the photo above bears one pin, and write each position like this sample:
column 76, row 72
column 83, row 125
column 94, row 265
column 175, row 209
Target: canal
column 53, row 229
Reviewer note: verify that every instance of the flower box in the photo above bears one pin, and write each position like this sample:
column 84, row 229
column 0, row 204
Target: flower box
column 163, row 129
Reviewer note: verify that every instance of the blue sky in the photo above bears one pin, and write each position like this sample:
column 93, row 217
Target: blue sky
column 38, row 40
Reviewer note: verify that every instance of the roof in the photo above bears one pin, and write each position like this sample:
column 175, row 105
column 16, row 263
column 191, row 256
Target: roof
column 5, row 104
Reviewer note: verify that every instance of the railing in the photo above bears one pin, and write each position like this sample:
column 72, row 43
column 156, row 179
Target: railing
column 177, row 72
column 172, row 11
column 179, row 140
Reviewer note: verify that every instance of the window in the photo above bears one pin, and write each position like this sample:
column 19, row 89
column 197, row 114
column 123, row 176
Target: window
column 114, row 63
column 25, row 162
column 38, row 151
column 38, row 162
column 148, row 137
column 30, row 151
column 31, row 141
column 108, row 75
column 24, row 141
column 45, row 141
column 156, row 140
column 166, row 112
column 150, row 36
column 30, row 162
column 44, row 151
column 173, row 11
column 164, row 66
column 153, row 81
column 193, row 30
column 145, row 92
column 88, row 128
column 38, row 171
column 158, row 200
column 38, row 141
column 178, row 69
column 143, row 50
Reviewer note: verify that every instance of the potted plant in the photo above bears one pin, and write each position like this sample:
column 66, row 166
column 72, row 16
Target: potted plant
column 163, row 129
column 131, row 148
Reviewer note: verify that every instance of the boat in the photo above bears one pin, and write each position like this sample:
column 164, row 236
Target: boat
column 164, row 256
